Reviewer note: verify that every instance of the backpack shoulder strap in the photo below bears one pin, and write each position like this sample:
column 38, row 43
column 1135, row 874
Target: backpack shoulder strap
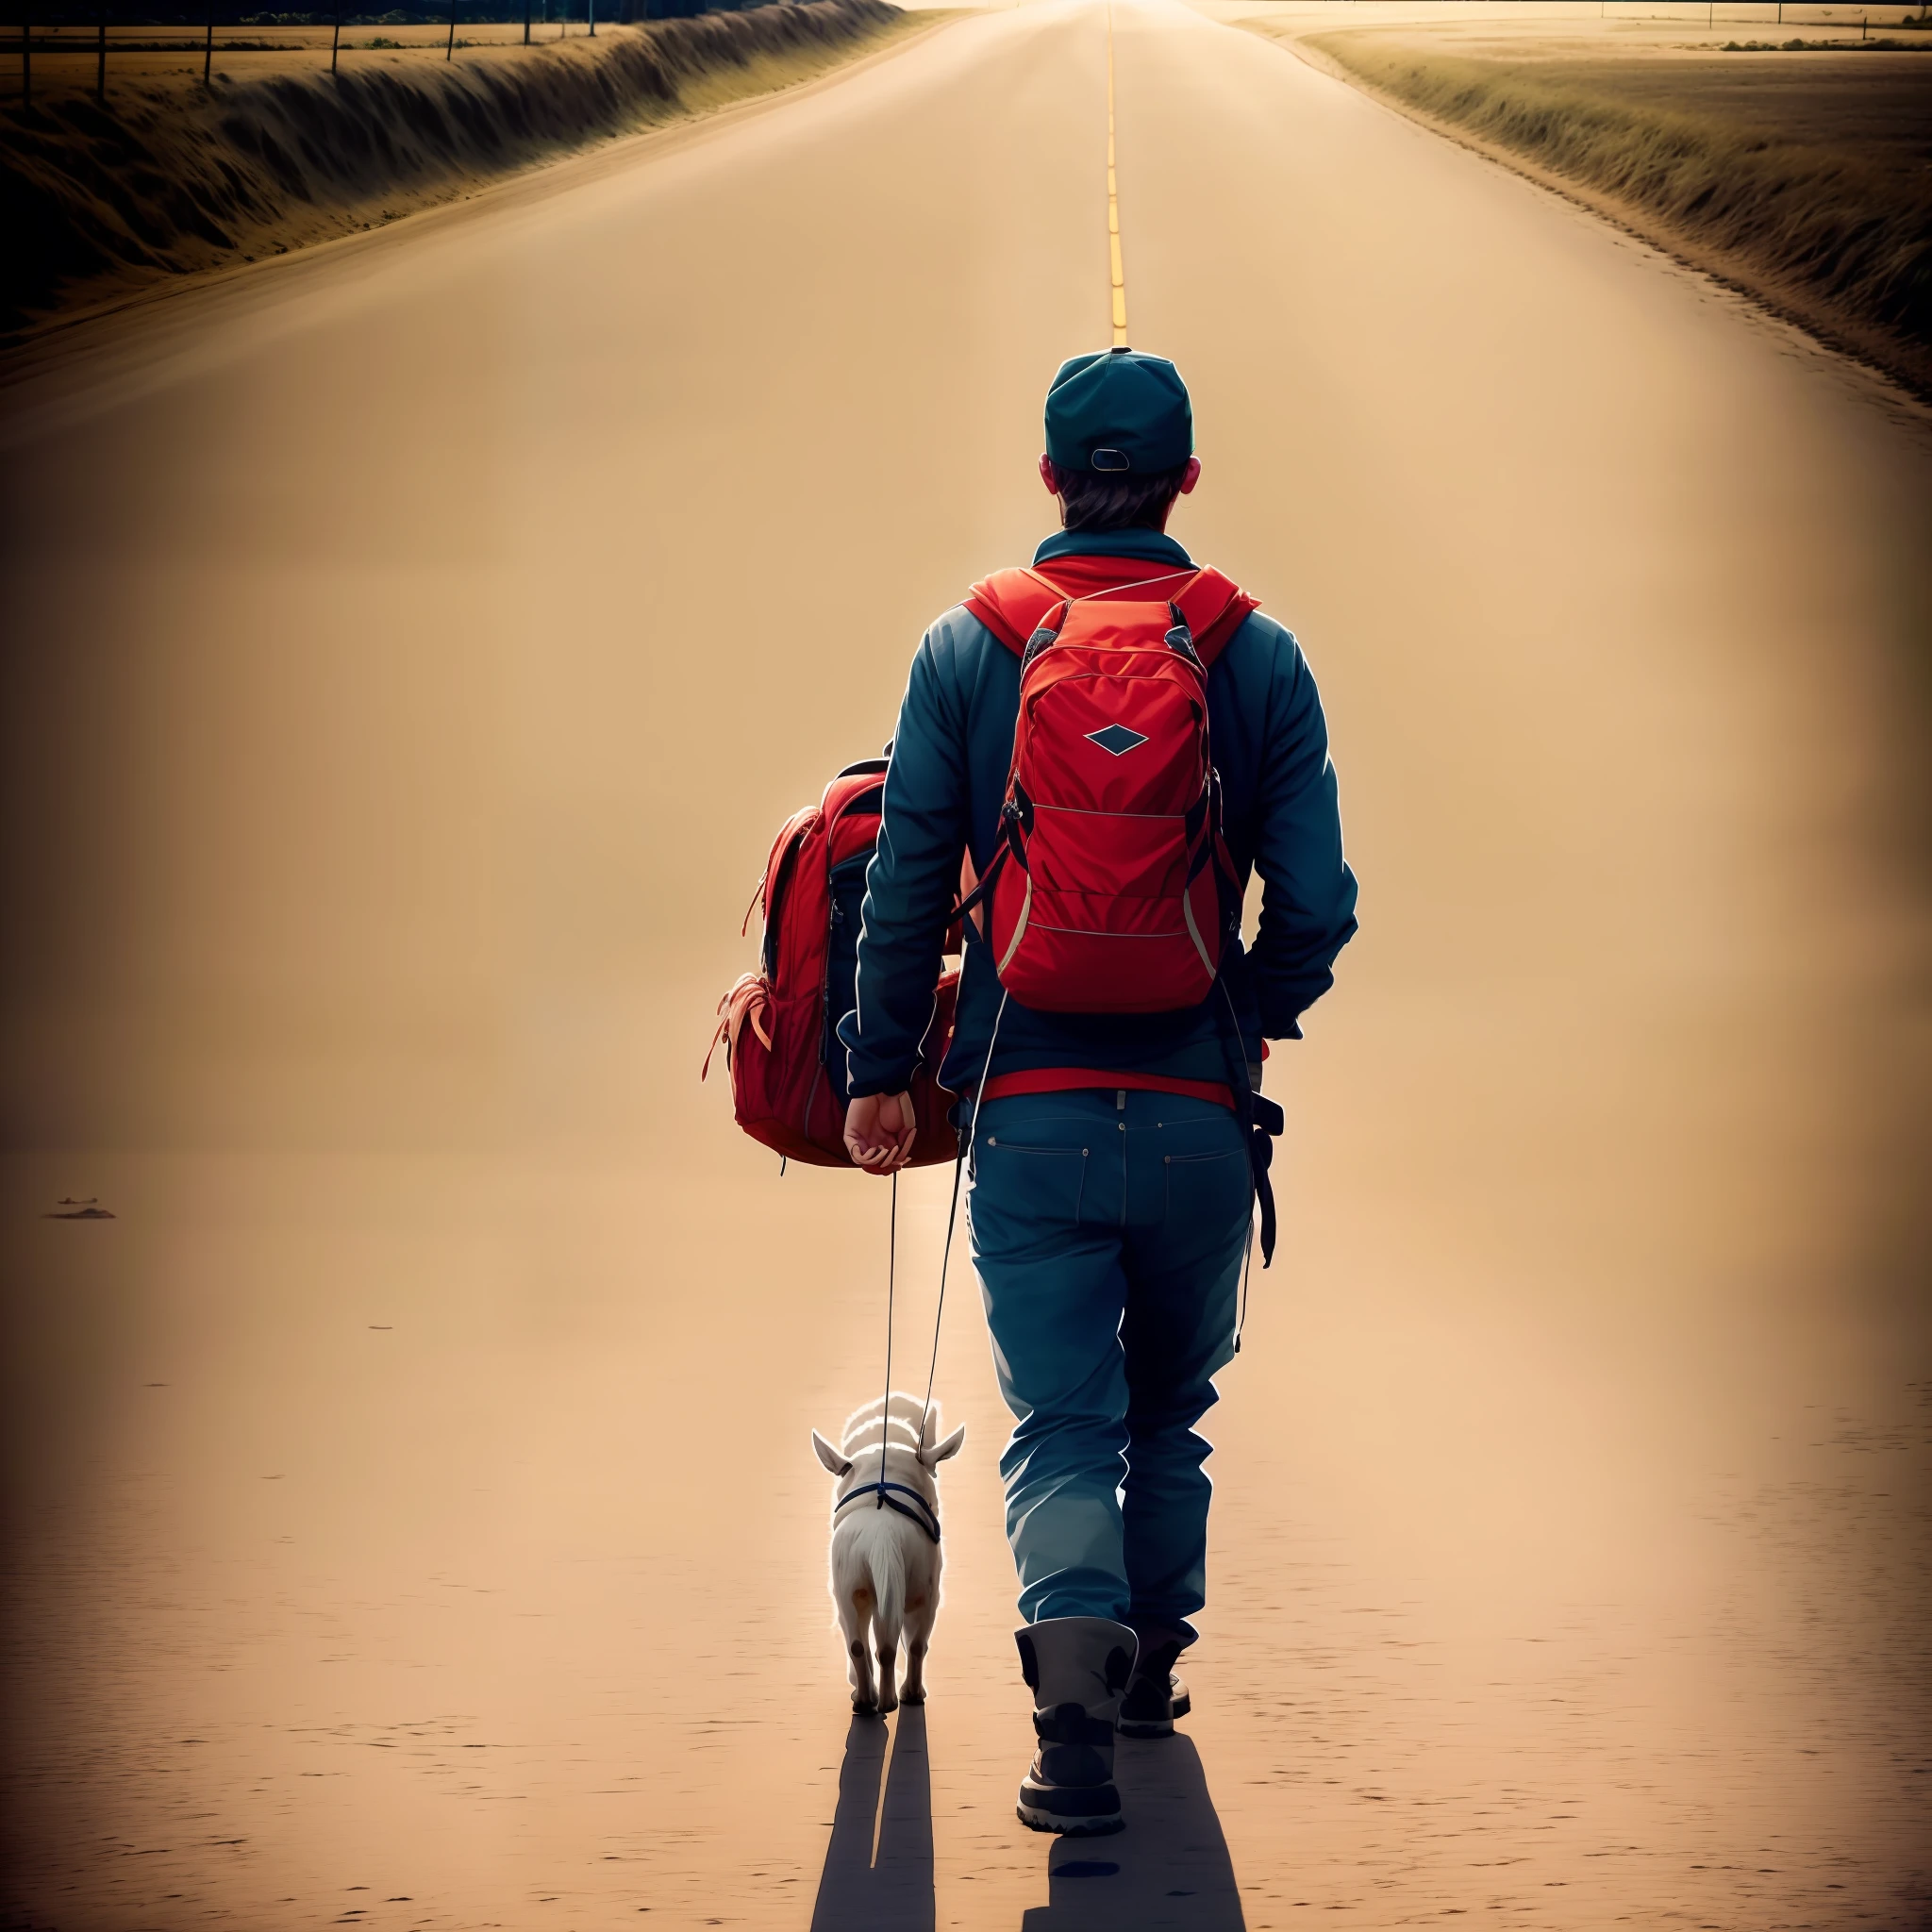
column 1215, row 606
column 1012, row 603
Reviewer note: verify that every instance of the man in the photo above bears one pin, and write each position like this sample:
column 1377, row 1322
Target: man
column 1112, row 1192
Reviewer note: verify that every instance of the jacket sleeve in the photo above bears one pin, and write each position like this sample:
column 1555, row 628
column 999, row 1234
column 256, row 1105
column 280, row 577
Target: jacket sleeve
column 911, row 884
column 1307, row 892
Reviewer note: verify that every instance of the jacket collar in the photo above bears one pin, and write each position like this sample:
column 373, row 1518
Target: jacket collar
column 1144, row 546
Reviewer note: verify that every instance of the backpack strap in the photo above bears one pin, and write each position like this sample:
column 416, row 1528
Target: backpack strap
column 1214, row 607
column 1013, row 604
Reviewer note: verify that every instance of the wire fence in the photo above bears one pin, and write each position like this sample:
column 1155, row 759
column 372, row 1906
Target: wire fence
column 64, row 37
column 1712, row 14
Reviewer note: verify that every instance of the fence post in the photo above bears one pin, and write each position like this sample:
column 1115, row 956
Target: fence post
column 101, row 58
column 335, row 49
column 449, row 53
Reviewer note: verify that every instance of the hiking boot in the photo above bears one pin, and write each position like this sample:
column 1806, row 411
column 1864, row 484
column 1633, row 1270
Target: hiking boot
column 1151, row 1706
column 1076, row 1668
column 1155, row 1696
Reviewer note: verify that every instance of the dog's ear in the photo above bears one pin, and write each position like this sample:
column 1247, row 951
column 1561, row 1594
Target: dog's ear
column 935, row 1456
column 839, row 1465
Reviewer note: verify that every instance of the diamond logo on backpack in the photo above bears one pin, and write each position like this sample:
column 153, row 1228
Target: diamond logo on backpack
column 1117, row 738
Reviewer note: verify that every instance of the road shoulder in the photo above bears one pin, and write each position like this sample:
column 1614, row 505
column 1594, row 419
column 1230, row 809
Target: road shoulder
column 132, row 317
column 1902, row 363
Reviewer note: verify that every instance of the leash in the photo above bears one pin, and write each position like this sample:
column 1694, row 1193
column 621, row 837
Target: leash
column 885, row 1495
column 953, row 1209
column 891, row 1287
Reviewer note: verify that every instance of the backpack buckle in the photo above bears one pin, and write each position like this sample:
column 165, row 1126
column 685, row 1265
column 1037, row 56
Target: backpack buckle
column 1180, row 640
column 1016, row 820
column 1049, row 628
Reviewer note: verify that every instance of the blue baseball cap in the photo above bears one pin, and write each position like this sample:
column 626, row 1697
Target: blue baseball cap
column 1118, row 410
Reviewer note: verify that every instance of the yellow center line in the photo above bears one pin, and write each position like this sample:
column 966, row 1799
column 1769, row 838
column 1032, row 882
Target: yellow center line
column 1113, row 209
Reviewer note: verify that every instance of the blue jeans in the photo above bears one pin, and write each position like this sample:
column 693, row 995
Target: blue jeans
column 1108, row 1231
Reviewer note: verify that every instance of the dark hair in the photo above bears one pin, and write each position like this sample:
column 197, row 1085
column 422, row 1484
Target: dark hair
column 1091, row 500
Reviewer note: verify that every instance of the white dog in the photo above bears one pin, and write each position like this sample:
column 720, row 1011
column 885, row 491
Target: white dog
column 886, row 1542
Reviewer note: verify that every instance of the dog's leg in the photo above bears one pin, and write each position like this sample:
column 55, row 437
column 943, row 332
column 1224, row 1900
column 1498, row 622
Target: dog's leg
column 921, row 1607
column 888, row 1614
column 917, row 1634
column 864, row 1697
column 855, row 1612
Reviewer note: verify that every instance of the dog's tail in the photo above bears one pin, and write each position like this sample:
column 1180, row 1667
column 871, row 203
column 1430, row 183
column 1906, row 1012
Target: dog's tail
column 888, row 1564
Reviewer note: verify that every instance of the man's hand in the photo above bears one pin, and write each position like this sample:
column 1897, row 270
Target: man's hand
column 878, row 1131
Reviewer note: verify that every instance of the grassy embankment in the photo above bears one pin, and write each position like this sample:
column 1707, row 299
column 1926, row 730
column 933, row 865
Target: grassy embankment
column 169, row 177
column 1807, row 181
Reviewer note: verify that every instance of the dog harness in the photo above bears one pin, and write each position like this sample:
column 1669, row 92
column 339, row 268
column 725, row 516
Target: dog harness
column 887, row 1493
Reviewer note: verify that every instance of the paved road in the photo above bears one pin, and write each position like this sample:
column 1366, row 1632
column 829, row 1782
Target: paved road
column 410, row 1516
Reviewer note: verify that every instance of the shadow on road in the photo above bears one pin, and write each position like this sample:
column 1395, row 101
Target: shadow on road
column 1168, row 1871
column 893, row 1892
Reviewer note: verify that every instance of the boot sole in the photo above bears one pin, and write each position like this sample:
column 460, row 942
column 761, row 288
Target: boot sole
column 1071, row 1811
column 1070, row 1827
column 1154, row 1726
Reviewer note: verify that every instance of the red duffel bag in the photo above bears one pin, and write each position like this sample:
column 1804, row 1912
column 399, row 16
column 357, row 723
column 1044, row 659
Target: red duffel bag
column 776, row 1025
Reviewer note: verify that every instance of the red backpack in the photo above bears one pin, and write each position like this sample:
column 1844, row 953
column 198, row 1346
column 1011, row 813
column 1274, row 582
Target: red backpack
column 786, row 1064
column 1112, row 892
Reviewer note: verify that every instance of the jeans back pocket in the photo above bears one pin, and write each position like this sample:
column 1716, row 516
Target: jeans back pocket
column 1208, row 1188
column 1026, row 1188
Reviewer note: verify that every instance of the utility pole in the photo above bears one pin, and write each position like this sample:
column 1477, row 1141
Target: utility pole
column 26, row 60
column 336, row 45
column 526, row 22
column 101, row 57
column 593, row 5
column 208, row 46
column 449, row 53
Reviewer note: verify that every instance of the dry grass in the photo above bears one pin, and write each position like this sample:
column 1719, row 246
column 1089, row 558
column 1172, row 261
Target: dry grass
column 169, row 177
column 1806, row 182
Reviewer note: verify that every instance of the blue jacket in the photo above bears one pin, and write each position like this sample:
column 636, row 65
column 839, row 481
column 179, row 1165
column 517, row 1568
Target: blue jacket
column 950, row 758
